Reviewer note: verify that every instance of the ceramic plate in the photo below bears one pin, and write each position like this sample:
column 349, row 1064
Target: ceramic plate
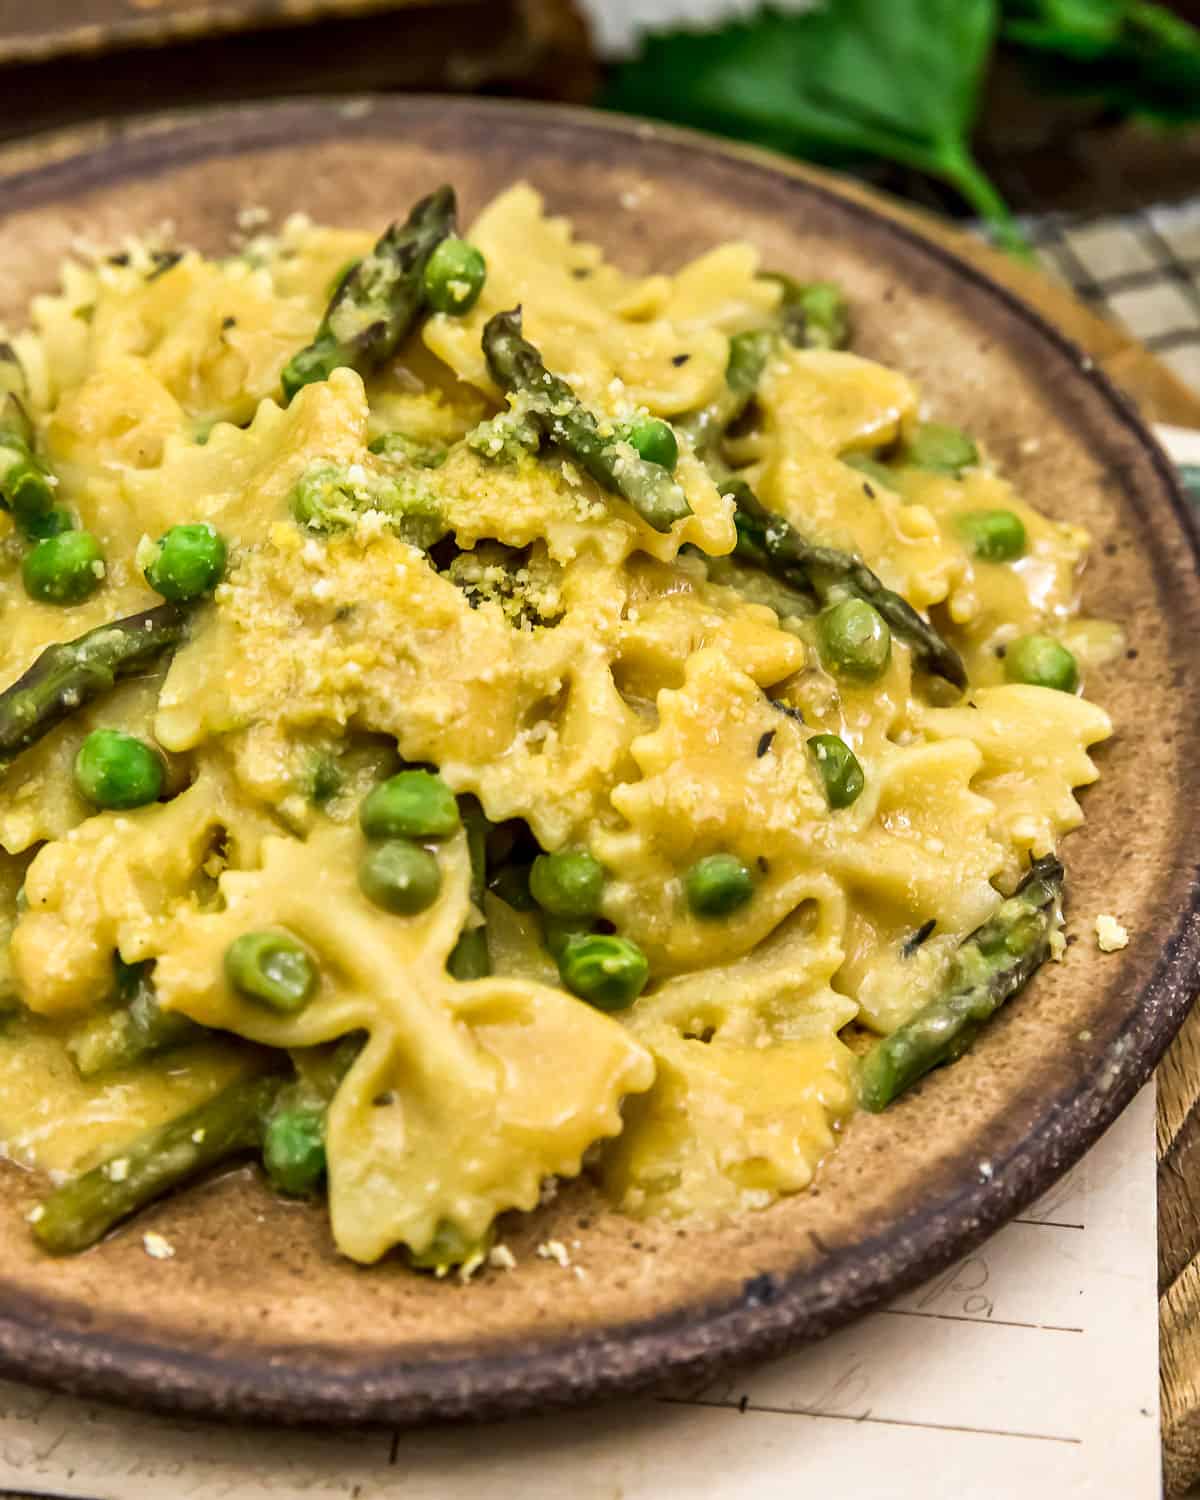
column 256, row 1316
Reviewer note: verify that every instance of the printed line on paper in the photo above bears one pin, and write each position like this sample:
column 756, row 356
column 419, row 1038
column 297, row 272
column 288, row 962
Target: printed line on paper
column 743, row 1406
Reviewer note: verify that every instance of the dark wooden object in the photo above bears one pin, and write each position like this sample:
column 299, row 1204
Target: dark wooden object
column 71, row 61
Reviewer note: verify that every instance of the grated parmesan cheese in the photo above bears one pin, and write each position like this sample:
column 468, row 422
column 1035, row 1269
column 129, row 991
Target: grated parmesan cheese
column 1110, row 935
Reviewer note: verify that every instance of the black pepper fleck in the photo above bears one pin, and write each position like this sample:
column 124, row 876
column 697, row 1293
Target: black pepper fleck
column 764, row 743
column 680, row 359
column 787, row 708
column 915, row 939
column 163, row 261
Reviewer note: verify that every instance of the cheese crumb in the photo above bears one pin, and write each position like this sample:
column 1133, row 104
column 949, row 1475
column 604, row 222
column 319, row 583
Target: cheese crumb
column 118, row 1170
column 156, row 1247
column 501, row 1258
column 556, row 1251
column 468, row 1267
column 1110, row 935
column 1058, row 944
column 36, row 1214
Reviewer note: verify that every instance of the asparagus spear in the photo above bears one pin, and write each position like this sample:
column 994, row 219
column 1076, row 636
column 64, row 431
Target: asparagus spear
column 748, row 356
column 26, row 486
column 770, row 542
column 378, row 301
column 139, row 1029
column 470, row 958
column 553, row 408
column 813, row 314
column 71, row 673
column 989, row 967
column 83, row 1210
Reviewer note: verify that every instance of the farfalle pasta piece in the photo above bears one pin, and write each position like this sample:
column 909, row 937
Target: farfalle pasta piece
column 41, row 801
column 614, row 337
column 111, row 885
column 1033, row 744
column 815, row 405
column 752, row 1078
column 704, row 789
column 465, row 1097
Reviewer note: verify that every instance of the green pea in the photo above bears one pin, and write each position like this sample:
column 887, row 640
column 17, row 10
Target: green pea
column 511, row 884
column 64, row 569
column 717, row 885
column 993, row 535
column 840, row 771
column 52, row 522
column 454, row 276
column 409, row 805
column 272, row 968
column 187, row 562
column 934, row 445
column 400, row 876
column 117, row 770
column 567, row 884
column 294, row 1151
column 655, row 441
column 608, row 972
column 1041, row 661
column 855, row 639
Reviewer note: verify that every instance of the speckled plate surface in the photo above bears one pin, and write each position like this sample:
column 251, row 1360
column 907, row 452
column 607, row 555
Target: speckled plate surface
column 255, row 1316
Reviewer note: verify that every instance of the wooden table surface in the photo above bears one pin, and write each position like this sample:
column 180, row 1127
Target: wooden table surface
column 1161, row 398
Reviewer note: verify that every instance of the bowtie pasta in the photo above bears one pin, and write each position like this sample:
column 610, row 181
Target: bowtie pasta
column 474, row 713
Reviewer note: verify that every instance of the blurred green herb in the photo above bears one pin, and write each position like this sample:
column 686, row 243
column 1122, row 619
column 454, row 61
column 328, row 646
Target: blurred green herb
column 902, row 80
column 1137, row 58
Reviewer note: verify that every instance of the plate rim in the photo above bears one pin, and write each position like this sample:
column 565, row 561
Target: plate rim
column 236, row 1381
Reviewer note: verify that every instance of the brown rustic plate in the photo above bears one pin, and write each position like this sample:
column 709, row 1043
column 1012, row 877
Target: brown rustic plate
column 256, row 1316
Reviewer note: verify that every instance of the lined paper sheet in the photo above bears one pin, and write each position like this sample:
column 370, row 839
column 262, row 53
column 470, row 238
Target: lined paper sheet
column 1028, row 1369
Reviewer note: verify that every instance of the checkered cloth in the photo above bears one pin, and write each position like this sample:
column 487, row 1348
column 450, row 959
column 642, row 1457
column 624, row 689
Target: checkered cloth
column 1142, row 270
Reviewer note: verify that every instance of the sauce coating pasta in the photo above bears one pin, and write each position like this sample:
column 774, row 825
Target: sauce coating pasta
column 553, row 746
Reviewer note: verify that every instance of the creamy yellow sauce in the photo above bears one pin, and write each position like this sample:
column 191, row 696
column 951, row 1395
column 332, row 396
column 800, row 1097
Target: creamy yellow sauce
column 636, row 709
column 53, row 1120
